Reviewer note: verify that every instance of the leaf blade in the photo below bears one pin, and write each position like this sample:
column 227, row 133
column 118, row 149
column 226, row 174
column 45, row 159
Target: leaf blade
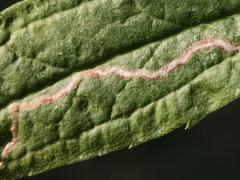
column 84, row 123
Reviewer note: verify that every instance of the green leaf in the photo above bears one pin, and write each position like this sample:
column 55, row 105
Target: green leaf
column 81, row 78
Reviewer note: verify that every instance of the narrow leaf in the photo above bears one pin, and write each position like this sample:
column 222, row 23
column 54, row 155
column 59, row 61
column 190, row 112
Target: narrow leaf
column 82, row 78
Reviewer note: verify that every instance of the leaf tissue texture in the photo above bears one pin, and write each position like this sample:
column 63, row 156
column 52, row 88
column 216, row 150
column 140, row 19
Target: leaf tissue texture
column 81, row 78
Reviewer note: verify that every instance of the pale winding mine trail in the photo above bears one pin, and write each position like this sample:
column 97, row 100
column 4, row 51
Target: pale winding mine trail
column 16, row 108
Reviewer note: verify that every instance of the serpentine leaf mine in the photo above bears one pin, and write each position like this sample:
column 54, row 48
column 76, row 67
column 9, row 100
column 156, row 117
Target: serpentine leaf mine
column 16, row 108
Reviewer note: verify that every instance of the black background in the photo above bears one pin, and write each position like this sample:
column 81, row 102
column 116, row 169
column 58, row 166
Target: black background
column 211, row 150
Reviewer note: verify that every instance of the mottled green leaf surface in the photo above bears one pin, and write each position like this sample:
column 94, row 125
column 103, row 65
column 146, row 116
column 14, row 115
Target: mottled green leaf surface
column 44, row 42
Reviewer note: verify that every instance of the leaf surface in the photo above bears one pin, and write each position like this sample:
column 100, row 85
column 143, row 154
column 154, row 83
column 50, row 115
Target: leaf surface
column 80, row 79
